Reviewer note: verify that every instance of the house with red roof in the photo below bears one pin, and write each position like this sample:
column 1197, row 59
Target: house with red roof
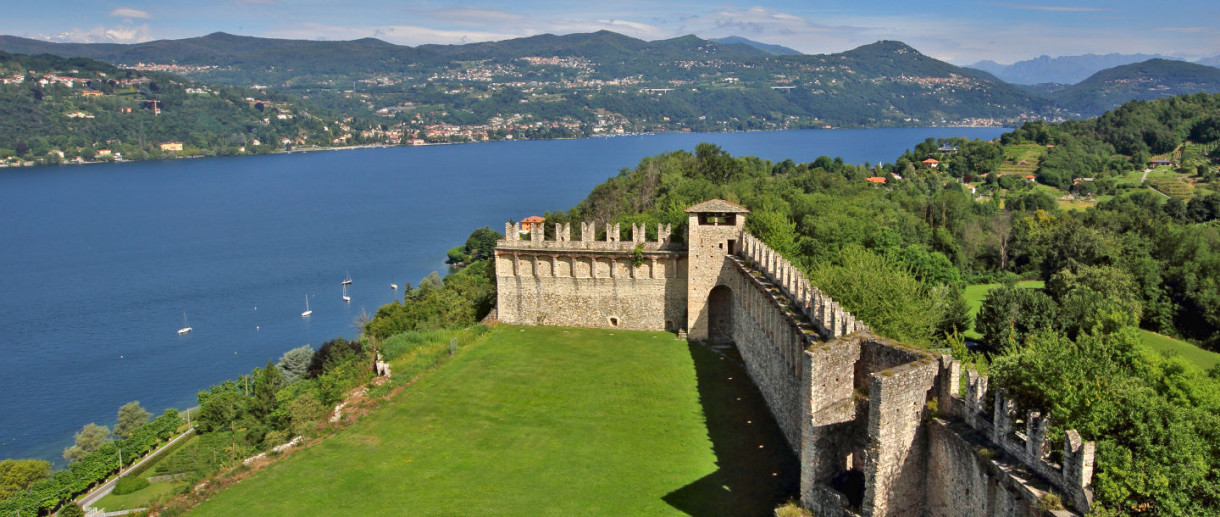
column 876, row 179
column 529, row 223
column 931, row 162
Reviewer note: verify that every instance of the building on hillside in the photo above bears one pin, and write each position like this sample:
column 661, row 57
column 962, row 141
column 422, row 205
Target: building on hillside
column 947, row 149
column 530, row 223
column 171, row 146
column 876, row 179
column 879, row 428
column 931, row 162
column 91, row 93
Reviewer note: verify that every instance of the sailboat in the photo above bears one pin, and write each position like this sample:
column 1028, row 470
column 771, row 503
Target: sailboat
column 307, row 311
column 346, row 298
column 348, row 280
column 185, row 327
column 393, row 286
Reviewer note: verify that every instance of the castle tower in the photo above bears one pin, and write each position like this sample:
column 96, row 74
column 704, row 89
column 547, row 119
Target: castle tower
column 714, row 230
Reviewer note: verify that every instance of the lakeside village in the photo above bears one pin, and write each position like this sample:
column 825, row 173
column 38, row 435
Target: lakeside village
column 382, row 115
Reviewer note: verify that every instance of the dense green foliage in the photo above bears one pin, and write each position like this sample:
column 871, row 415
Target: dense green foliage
column 129, row 484
column 92, row 468
column 461, row 299
column 18, row 475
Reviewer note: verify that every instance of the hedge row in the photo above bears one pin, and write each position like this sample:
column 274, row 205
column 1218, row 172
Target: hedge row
column 94, row 468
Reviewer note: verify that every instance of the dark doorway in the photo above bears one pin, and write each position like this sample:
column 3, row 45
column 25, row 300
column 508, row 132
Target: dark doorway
column 720, row 315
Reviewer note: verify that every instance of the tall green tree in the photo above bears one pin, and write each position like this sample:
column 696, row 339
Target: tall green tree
column 131, row 417
column 90, row 438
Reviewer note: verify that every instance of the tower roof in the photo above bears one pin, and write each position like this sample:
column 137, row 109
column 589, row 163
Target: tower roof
column 719, row 206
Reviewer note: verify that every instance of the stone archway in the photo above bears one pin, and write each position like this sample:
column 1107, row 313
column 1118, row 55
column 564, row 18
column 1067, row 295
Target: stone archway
column 720, row 315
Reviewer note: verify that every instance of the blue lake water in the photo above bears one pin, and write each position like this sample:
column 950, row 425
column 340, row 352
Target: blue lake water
column 100, row 262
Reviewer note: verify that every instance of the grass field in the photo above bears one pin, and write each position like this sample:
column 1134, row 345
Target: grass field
column 140, row 498
column 545, row 421
column 1167, row 345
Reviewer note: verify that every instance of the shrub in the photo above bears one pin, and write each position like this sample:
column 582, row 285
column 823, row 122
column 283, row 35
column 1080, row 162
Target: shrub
column 129, row 484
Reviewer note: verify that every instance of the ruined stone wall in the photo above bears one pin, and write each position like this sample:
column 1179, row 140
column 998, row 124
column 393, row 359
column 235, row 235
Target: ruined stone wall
column 896, row 462
column 591, row 283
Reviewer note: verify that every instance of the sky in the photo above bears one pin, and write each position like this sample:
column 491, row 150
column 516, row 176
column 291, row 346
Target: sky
column 960, row 32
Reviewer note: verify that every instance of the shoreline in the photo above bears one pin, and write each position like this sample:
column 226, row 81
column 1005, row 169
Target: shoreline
column 384, row 145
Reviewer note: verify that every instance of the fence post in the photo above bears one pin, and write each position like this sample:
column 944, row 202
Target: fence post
column 452, row 346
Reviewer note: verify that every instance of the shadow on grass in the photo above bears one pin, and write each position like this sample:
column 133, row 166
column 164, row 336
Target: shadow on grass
column 750, row 480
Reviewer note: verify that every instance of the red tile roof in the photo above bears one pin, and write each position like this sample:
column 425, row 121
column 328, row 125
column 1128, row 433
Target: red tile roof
column 875, row 179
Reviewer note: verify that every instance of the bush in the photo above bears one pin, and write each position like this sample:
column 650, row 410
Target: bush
column 129, row 484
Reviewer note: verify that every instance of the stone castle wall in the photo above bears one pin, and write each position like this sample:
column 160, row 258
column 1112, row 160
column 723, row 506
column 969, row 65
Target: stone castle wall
column 880, row 428
column 591, row 283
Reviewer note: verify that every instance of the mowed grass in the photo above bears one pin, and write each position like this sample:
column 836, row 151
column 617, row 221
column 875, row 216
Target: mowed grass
column 545, row 421
column 141, row 498
column 1169, row 346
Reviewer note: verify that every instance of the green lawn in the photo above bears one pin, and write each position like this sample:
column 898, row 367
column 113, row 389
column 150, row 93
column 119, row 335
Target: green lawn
column 140, row 498
column 546, row 421
column 1167, row 345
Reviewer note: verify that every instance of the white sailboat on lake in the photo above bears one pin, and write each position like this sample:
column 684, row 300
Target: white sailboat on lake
column 186, row 328
column 346, row 298
column 348, row 280
column 307, row 311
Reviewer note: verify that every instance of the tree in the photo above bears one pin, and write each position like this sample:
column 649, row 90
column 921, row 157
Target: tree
column 482, row 243
column 306, row 412
column 221, row 411
column 1009, row 314
column 266, row 384
column 71, row 510
column 131, row 417
column 18, row 475
column 294, row 364
column 715, row 164
column 882, row 293
column 90, row 438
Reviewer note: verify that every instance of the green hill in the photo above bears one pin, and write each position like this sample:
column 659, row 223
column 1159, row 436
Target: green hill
column 1152, row 79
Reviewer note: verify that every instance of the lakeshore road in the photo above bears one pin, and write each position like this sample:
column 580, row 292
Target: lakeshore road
column 88, row 499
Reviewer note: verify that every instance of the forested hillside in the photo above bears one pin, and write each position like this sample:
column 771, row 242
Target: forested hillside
column 54, row 110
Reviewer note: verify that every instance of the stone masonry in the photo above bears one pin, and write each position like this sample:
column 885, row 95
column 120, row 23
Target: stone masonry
column 880, row 428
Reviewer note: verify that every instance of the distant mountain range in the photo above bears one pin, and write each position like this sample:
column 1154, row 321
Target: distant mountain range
column 679, row 83
column 776, row 50
column 1062, row 70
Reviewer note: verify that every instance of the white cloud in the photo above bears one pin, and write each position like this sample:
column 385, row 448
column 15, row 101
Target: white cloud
column 400, row 34
column 1053, row 8
column 470, row 16
column 126, row 12
column 100, row 34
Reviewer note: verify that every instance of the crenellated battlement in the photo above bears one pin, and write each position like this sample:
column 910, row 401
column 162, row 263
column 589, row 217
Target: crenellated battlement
column 1026, row 443
column 587, row 239
column 832, row 319
column 863, row 413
